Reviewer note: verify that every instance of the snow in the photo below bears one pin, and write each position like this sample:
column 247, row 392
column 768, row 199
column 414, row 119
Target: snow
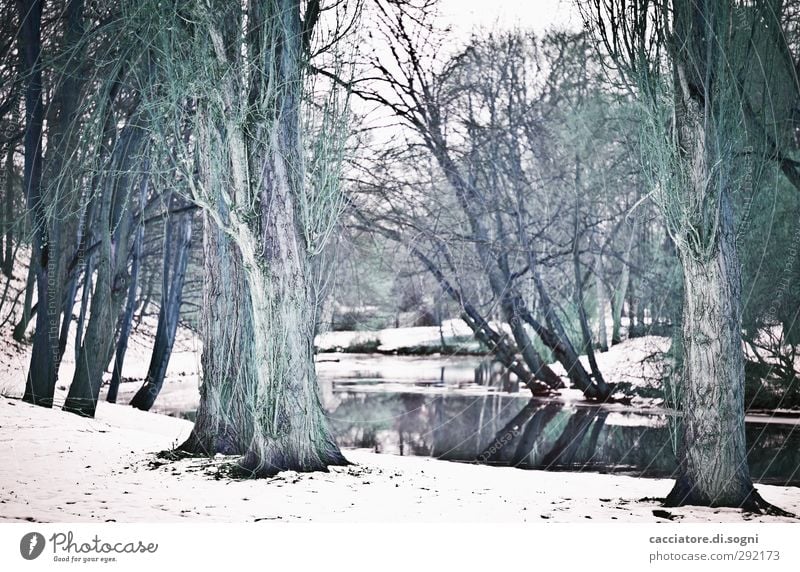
column 455, row 332
column 184, row 365
column 57, row 467
column 638, row 361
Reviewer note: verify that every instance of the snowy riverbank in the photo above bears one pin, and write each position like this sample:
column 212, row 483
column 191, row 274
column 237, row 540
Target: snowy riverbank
column 57, row 467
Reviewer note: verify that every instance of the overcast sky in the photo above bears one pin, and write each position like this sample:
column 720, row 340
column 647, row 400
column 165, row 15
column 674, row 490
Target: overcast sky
column 539, row 15
column 467, row 16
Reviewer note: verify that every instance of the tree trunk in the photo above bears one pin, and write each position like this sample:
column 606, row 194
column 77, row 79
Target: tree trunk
column 712, row 452
column 292, row 432
column 602, row 299
column 259, row 376
column 73, row 279
column 557, row 340
column 8, row 219
column 127, row 319
column 126, row 323
column 24, row 320
column 68, row 304
column 224, row 422
column 168, row 314
column 112, row 277
column 41, row 379
column 99, row 339
column 144, row 302
column 86, row 296
column 602, row 389
column 621, row 292
column 63, row 193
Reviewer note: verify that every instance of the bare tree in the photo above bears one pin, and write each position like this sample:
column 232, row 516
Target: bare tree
column 684, row 61
column 268, row 210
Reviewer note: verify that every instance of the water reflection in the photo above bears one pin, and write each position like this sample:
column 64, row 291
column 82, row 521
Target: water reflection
column 509, row 430
column 464, row 409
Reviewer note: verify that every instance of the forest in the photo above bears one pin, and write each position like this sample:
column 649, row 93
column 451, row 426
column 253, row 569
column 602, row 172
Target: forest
column 269, row 240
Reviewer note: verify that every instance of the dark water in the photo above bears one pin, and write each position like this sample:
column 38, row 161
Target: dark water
column 464, row 410
column 470, row 410
column 509, row 430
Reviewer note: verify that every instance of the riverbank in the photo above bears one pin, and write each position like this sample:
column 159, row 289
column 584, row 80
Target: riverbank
column 57, row 467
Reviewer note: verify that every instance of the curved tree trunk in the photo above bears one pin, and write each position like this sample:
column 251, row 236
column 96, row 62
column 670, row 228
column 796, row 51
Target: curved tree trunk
column 168, row 314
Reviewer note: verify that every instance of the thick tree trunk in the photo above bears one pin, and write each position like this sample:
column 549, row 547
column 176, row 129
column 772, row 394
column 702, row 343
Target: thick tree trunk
column 291, row 432
column 59, row 173
column 267, row 361
column 713, row 452
column 225, row 417
column 168, row 315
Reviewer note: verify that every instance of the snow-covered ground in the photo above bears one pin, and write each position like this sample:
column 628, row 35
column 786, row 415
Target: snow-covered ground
column 15, row 357
column 57, row 467
column 456, row 333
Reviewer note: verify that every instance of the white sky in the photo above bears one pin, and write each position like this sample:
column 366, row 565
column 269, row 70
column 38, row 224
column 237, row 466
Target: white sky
column 467, row 16
column 538, row 15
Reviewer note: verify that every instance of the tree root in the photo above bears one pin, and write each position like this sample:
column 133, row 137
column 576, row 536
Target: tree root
column 224, row 443
column 756, row 504
column 682, row 495
column 276, row 460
